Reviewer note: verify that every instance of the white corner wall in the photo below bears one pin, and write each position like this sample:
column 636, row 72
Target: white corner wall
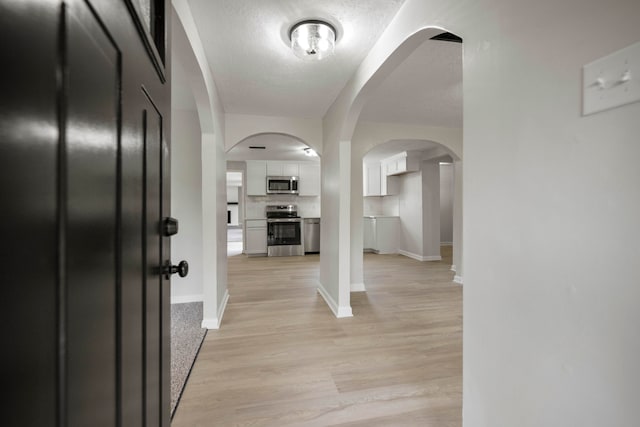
column 551, row 208
column 410, row 207
column 186, row 203
column 551, row 203
column 188, row 46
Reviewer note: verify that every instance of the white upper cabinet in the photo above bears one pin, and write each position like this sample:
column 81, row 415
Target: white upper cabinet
column 256, row 178
column 389, row 185
column 376, row 182
column 404, row 162
column 282, row 169
column 259, row 170
column 309, row 183
column 371, row 179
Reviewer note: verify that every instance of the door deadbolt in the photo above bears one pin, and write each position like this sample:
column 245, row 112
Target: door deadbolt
column 170, row 226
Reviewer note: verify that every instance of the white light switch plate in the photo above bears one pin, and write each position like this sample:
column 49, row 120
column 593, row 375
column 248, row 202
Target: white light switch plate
column 611, row 81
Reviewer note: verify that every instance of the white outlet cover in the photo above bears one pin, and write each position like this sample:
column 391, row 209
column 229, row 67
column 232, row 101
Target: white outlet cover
column 611, row 81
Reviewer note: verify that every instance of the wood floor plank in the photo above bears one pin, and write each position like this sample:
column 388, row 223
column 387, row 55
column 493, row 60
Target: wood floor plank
column 282, row 359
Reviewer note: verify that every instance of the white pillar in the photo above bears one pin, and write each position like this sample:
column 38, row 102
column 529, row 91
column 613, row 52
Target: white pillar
column 431, row 210
column 457, row 221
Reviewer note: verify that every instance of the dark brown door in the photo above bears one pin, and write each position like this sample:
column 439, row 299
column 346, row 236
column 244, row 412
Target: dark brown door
column 84, row 165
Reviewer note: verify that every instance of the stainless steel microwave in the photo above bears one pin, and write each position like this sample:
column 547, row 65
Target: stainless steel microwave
column 282, row 185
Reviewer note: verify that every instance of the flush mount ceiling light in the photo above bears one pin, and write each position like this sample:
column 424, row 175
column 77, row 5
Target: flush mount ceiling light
column 312, row 39
column 310, row 152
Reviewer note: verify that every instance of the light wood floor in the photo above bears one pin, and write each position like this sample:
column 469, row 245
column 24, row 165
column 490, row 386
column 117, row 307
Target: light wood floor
column 281, row 358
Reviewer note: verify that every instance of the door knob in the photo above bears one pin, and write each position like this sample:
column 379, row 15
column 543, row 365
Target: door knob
column 182, row 269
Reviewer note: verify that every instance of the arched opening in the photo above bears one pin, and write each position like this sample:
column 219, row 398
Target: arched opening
column 408, row 201
column 414, row 115
column 257, row 160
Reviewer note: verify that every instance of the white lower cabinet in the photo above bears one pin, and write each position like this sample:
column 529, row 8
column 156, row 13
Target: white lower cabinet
column 380, row 234
column 256, row 237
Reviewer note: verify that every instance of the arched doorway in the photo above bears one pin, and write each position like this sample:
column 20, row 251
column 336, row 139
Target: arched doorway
column 259, row 159
column 416, row 110
column 408, row 210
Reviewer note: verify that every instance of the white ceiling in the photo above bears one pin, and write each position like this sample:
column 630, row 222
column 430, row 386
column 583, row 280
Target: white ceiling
column 277, row 147
column 394, row 147
column 425, row 89
column 246, row 43
column 256, row 73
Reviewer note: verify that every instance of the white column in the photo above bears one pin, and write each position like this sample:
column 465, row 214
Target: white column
column 431, row 210
column 457, row 221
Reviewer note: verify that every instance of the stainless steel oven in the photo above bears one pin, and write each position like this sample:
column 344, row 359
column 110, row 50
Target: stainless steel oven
column 284, row 231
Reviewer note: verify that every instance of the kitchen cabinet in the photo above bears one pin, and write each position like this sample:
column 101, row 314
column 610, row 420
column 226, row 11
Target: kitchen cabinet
column 377, row 183
column 380, row 234
column 371, row 179
column 404, row 162
column 389, row 185
column 283, row 169
column 258, row 170
column 256, row 178
column 255, row 237
column 309, row 183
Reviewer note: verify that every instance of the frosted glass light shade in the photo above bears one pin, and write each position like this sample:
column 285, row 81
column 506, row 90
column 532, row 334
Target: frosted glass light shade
column 312, row 40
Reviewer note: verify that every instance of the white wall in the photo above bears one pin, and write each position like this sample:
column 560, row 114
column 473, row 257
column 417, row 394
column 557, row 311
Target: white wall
column 308, row 206
column 188, row 47
column 410, row 201
column 419, row 210
column 385, row 205
column 186, row 203
column 551, row 202
column 240, row 126
column 551, row 282
column 446, row 203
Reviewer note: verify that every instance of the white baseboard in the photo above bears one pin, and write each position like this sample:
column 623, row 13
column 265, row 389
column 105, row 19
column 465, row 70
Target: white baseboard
column 181, row 299
column 453, row 268
column 420, row 257
column 214, row 323
column 339, row 312
column 357, row 287
column 458, row 279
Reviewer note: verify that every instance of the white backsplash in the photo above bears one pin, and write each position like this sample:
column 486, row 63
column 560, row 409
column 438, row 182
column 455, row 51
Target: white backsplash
column 308, row 207
column 387, row 206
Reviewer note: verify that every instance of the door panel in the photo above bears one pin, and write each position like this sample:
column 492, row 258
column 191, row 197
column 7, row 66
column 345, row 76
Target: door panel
column 153, row 264
column 75, row 133
column 92, row 83
column 28, row 196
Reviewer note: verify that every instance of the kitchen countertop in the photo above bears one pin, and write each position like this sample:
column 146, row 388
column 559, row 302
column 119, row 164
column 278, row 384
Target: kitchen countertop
column 381, row 216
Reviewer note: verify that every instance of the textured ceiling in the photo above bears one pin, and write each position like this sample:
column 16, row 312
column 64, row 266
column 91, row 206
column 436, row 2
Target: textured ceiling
column 277, row 147
column 256, row 72
column 425, row 89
